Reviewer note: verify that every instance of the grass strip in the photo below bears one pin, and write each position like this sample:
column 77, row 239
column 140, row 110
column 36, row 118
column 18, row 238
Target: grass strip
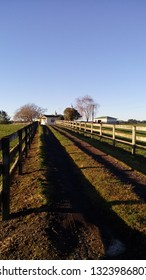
column 7, row 129
column 120, row 151
column 119, row 197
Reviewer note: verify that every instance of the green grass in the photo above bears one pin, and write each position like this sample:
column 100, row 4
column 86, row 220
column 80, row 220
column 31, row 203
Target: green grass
column 118, row 197
column 43, row 158
column 121, row 151
column 122, row 134
column 7, row 129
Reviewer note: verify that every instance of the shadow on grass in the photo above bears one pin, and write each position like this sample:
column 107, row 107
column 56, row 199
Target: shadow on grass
column 139, row 188
column 69, row 184
column 69, row 197
column 136, row 162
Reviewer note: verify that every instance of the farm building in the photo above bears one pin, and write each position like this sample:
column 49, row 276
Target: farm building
column 48, row 119
column 105, row 119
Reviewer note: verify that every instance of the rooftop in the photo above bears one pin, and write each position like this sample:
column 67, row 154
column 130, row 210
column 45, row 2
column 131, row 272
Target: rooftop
column 103, row 117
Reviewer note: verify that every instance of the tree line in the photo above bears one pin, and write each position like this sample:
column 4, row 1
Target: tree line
column 84, row 107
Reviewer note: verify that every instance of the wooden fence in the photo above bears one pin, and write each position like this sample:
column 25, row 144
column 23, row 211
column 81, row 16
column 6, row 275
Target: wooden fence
column 132, row 135
column 11, row 159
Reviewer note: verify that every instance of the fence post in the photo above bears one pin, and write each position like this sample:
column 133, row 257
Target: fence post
column 85, row 128
column 114, row 138
column 74, row 125
column 133, row 139
column 26, row 142
column 29, row 136
column 100, row 131
column 80, row 127
column 20, row 152
column 5, row 178
column 91, row 130
column 31, row 132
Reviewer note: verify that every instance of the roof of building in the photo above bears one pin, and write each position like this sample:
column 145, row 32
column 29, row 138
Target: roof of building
column 103, row 117
column 50, row 116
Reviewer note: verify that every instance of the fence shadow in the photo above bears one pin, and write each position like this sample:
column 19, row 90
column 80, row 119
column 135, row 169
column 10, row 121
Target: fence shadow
column 69, row 192
column 116, row 151
column 123, row 175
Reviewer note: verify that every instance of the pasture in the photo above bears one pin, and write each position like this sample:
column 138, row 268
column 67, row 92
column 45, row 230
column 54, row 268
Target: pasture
column 97, row 173
column 6, row 129
column 120, row 149
column 130, row 137
column 113, row 186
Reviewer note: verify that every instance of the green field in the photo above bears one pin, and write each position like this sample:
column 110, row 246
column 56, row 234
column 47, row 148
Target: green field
column 121, row 151
column 115, row 197
column 6, row 129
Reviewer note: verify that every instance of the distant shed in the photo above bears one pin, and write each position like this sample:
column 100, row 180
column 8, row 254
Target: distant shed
column 49, row 119
column 106, row 119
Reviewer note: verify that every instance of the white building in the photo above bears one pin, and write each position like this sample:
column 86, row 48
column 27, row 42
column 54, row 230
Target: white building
column 105, row 119
column 48, row 119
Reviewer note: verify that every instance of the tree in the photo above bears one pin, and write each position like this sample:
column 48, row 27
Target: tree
column 86, row 107
column 61, row 117
column 133, row 121
column 28, row 113
column 71, row 114
column 4, row 118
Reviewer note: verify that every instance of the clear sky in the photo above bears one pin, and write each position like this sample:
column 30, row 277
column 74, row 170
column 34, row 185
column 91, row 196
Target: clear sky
column 54, row 51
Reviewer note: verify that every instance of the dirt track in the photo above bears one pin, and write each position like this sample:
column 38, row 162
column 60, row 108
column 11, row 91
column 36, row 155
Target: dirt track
column 65, row 225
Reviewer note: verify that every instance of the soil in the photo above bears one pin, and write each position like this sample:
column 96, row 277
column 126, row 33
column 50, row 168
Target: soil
column 51, row 218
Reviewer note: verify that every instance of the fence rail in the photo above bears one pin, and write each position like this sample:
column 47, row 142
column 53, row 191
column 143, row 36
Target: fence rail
column 132, row 135
column 11, row 159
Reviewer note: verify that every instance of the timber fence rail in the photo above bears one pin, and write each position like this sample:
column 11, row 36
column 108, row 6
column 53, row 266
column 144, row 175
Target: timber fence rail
column 132, row 135
column 11, row 159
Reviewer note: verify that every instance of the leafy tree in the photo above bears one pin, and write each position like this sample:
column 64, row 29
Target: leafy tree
column 28, row 113
column 71, row 114
column 61, row 117
column 132, row 121
column 4, row 118
column 86, row 106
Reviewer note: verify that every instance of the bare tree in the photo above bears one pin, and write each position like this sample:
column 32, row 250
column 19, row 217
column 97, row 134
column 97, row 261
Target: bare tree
column 86, row 107
column 28, row 113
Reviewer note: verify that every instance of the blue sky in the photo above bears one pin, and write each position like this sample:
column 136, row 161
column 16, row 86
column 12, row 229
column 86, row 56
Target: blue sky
column 54, row 51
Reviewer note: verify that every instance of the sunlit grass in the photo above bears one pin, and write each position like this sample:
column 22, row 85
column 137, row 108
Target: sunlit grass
column 7, row 129
column 121, row 151
column 118, row 196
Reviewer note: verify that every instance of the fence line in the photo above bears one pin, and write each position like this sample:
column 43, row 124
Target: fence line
column 132, row 135
column 11, row 159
